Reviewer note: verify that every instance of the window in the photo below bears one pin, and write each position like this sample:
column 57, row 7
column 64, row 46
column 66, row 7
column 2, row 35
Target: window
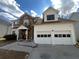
column 25, row 24
column 41, row 35
column 60, row 35
column 64, row 35
column 50, row 17
column 38, row 35
column 49, row 35
column 56, row 35
column 45, row 35
column 15, row 23
column 68, row 35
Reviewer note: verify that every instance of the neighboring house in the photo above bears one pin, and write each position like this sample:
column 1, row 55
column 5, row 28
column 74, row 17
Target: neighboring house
column 75, row 16
column 5, row 27
column 52, row 30
column 15, row 25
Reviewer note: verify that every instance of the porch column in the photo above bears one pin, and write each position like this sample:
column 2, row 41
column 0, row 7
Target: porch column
column 17, row 34
column 26, row 34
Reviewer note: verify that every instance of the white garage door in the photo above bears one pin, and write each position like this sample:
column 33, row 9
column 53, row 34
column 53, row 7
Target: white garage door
column 55, row 37
column 44, row 37
column 62, row 37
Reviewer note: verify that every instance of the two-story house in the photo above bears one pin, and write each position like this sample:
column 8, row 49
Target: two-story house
column 54, row 30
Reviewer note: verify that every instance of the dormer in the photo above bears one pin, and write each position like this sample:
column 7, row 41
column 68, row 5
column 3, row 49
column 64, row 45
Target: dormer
column 50, row 14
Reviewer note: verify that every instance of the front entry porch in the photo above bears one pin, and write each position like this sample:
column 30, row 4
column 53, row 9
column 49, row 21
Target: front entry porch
column 22, row 33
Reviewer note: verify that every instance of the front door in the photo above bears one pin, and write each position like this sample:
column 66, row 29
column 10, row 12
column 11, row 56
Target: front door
column 22, row 34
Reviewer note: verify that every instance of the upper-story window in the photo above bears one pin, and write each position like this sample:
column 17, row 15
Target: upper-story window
column 26, row 22
column 50, row 17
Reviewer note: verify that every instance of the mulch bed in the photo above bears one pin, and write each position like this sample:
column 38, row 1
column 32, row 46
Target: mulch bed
column 9, row 54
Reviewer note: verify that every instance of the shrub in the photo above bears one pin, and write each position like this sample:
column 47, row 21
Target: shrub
column 77, row 40
column 10, row 37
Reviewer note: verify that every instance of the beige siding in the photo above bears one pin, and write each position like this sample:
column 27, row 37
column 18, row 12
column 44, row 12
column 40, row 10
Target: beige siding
column 50, row 12
column 55, row 27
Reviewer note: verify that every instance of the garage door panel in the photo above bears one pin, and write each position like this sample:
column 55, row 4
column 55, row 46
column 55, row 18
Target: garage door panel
column 44, row 41
column 62, row 37
column 54, row 37
column 63, row 41
column 44, row 37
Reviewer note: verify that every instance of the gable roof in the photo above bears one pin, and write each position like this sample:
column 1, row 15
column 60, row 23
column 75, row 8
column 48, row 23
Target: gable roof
column 25, row 16
column 22, row 27
column 75, row 16
column 51, row 9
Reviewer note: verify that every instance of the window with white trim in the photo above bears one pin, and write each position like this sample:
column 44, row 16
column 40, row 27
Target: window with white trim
column 62, row 35
column 50, row 17
column 43, row 35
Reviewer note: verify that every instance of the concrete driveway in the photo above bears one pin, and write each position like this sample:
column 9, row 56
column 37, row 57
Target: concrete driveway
column 55, row 52
column 45, row 51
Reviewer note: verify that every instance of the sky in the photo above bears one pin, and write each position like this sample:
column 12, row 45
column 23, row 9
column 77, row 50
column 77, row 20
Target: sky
column 13, row 9
column 34, row 6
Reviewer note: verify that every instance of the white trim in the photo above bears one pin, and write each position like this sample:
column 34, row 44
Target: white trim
column 22, row 27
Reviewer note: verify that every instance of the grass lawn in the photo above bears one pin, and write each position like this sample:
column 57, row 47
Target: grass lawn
column 5, row 42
